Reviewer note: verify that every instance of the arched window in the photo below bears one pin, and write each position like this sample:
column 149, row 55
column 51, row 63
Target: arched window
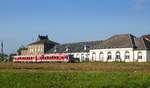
column 101, row 56
column 82, row 56
column 139, row 55
column 127, row 55
column 87, row 57
column 93, row 56
column 118, row 55
column 118, row 58
column 109, row 56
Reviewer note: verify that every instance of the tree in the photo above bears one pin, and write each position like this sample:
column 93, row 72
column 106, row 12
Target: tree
column 20, row 48
column 3, row 57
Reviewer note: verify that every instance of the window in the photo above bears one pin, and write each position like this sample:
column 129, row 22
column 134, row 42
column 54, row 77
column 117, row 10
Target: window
column 82, row 56
column 109, row 56
column 93, row 56
column 118, row 55
column 67, row 49
column 42, row 49
column 34, row 49
column 38, row 49
column 127, row 55
column 101, row 56
column 139, row 55
column 118, row 58
column 87, row 57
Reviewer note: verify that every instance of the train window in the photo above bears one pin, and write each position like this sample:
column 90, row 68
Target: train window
column 62, row 57
column 57, row 57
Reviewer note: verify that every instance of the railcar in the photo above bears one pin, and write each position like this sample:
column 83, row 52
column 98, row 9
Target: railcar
column 42, row 58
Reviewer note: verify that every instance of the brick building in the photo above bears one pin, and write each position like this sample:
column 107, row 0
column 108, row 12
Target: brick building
column 41, row 46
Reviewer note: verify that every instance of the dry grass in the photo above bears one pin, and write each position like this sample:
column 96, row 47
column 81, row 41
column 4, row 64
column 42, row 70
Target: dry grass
column 75, row 75
column 97, row 66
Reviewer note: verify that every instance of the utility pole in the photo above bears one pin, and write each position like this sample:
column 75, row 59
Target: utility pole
column 2, row 48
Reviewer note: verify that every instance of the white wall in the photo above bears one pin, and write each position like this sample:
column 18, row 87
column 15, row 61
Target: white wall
column 113, row 51
column 148, row 55
column 132, row 53
column 144, row 56
column 83, row 56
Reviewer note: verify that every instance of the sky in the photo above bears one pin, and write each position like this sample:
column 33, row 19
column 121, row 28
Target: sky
column 70, row 20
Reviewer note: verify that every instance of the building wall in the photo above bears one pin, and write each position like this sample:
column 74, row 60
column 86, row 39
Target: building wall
column 24, row 52
column 83, row 56
column 36, row 49
column 96, row 56
column 137, row 55
column 148, row 55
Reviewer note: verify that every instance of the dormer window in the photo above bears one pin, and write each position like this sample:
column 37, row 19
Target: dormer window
column 67, row 49
column 85, row 47
column 55, row 49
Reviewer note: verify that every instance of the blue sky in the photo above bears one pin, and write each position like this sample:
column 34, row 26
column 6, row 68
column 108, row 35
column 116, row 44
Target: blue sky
column 70, row 20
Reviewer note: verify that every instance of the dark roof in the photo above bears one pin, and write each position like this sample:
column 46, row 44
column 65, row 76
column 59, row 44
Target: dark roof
column 139, row 43
column 74, row 47
column 125, row 41
column 146, row 39
column 24, row 48
column 116, row 41
column 43, row 40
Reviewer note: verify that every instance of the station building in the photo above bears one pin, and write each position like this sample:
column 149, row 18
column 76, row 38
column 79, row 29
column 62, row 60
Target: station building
column 118, row 48
column 40, row 46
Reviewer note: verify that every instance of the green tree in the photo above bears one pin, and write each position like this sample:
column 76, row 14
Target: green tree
column 20, row 48
column 3, row 57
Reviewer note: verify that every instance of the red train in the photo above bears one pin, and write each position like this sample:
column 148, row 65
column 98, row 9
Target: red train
column 42, row 58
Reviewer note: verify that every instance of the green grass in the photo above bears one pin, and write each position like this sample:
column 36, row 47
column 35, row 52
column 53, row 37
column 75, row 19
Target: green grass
column 60, row 79
column 116, row 75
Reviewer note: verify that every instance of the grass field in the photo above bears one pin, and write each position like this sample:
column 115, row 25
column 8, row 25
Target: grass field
column 80, row 75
